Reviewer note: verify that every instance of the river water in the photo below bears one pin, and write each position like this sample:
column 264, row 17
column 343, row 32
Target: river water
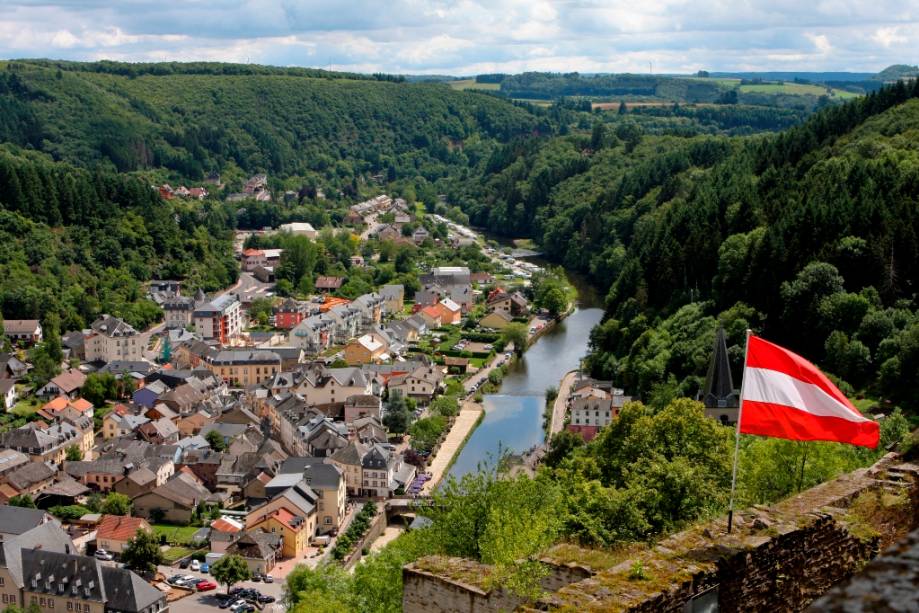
column 513, row 417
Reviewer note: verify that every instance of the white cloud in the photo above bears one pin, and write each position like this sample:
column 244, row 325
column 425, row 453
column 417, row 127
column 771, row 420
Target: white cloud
column 469, row 36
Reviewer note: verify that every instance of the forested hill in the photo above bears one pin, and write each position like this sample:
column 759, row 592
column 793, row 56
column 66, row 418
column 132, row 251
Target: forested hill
column 811, row 236
column 200, row 118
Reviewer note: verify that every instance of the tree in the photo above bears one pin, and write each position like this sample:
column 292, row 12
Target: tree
column 116, row 504
column 22, row 500
column 100, row 387
column 516, row 333
column 560, row 446
column 142, row 553
column 260, row 310
column 74, row 453
column 215, row 440
column 398, row 414
column 230, row 569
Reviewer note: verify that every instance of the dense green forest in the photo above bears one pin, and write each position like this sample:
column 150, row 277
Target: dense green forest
column 285, row 123
column 809, row 236
column 76, row 243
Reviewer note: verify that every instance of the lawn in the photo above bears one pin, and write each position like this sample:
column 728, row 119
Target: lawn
column 26, row 407
column 175, row 534
column 174, row 554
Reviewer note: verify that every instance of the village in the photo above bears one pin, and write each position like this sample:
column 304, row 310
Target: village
column 302, row 434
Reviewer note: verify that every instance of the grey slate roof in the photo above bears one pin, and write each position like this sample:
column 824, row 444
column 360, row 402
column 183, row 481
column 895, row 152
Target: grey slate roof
column 18, row 520
column 314, row 471
column 125, row 591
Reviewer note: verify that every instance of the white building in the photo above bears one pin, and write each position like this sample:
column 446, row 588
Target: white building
column 110, row 338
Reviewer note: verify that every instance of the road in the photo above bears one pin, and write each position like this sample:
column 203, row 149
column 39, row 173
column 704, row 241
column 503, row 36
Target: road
column 483, row 372
column 372, row 226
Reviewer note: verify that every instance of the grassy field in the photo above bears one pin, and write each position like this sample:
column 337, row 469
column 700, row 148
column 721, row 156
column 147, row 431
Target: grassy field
column 175, row 534
column 471, row 84
column 794, row 88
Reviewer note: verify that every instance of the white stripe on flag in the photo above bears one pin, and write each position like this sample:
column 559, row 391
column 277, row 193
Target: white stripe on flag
column 775, row 387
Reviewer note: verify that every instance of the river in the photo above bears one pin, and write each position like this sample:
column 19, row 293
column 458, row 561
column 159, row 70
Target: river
column 513, row 417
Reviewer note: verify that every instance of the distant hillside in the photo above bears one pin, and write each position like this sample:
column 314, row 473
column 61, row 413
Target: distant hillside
column 816, row 77
column 897, row 71
column 195, row 118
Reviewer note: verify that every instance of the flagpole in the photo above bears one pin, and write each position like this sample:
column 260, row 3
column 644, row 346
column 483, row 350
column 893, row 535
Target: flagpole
column 743, row 380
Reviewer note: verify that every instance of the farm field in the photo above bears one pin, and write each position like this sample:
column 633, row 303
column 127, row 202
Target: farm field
column 793, row 88
column 471, row 84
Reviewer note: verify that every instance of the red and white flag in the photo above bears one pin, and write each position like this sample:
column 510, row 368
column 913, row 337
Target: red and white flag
column 785, row 396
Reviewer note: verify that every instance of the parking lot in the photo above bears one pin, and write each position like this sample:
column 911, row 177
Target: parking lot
column 200, row 601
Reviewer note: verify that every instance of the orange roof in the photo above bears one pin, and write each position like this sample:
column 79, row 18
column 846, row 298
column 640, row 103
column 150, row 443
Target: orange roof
column 57, row 404
column 331, row 302
column 60, row 403
column 433, row 311
column 120, row 409
column 250, row 252
column 287, row 518
column 81, row 404
column 222, row 525
column 118, row 528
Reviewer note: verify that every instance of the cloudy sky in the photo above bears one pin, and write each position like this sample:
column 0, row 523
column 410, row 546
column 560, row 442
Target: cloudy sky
column 474, row 36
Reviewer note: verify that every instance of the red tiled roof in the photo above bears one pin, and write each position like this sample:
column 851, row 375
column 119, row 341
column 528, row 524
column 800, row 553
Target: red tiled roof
column 222, row 525
column 118, row 528
column 251, row 252
column 286, row 517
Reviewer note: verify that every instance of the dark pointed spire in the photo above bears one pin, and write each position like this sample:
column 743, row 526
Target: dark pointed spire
column 719, row 385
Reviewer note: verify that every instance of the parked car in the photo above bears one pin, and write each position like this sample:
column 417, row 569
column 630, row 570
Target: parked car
column 205, row 567
column 238, row 606
column 102, row 554
column 257, row 577
column 268, row 579
column 175, row 578
column 195, row 565
column 266, row 599
column 206, row 585
column 184, row 563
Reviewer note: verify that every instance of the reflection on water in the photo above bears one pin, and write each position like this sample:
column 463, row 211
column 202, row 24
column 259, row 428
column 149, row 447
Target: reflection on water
column 513, row 418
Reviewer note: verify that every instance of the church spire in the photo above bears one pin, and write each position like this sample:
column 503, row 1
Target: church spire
column 719, row 385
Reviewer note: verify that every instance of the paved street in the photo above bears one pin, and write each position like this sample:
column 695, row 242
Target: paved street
column 482, row 374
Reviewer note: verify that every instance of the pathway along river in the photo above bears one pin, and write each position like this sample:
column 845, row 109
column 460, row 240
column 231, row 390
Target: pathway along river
column 513, row 417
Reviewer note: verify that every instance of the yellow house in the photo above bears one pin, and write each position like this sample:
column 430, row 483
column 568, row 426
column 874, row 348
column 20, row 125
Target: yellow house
column 294, row 530
column 292, row 514
column 364, row 350
column 496, row 320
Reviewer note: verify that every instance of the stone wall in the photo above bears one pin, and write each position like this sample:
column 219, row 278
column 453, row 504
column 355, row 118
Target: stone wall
column 780, row 557
column 377, row 526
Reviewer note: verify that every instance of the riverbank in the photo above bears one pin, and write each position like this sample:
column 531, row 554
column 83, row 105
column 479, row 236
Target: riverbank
column 560, row 407
column 465, row 423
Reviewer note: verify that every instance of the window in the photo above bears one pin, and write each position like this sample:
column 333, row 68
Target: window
column 51, row 603
column 2, row 581
column 5, row 599
column 69, row 606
